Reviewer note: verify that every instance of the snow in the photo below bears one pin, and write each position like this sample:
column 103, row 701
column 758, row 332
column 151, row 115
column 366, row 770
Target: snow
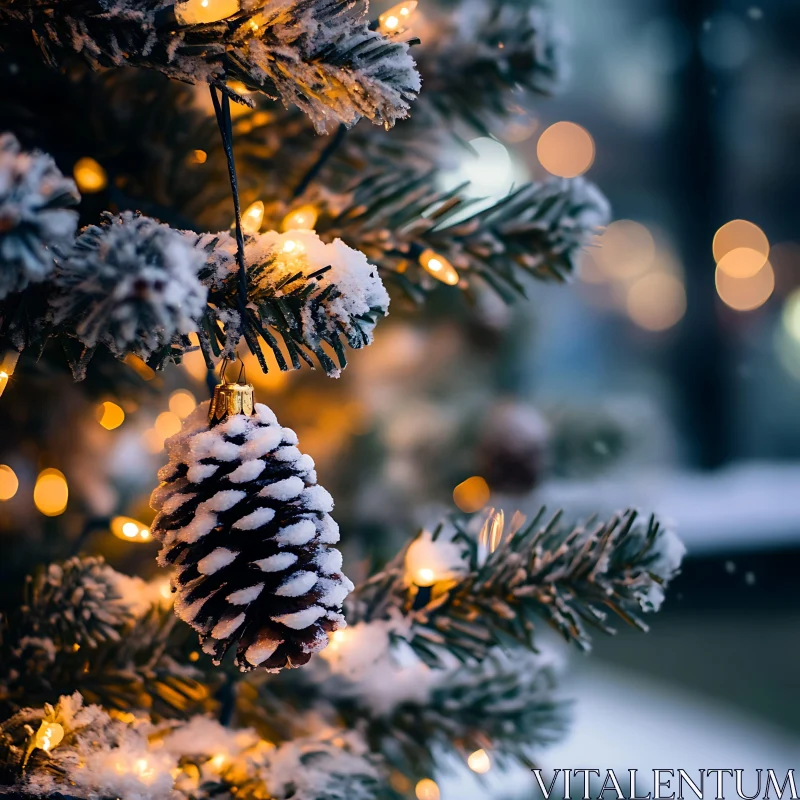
column 203, row 523
column 224, row 500
column 289, row 436
column 266, row 416
column 289, row 453
column 328, row 530
column 259, row 517
column 261, row 441
column 335, row 590
column 216, row 560
column 247, row 471
column 276, row 563
column 301, row 619
column 175, row 501
column 226, row 626
column 284, row 490
column 329, row 560
column 299, row 584
column 444, row 558
column 244, row 596
column 199, row 472
column 260, row 651
column 317, row 498
column 299, row 533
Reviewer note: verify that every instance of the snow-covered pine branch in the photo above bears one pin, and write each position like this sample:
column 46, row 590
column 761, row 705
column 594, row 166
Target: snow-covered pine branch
column 317, row 54
column 537, row 230
column 568, row 576
column 303, row 293
column 36, row 215
column 94, row 754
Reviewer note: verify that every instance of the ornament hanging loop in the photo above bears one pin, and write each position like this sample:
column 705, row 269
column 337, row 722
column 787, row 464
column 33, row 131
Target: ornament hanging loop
column 231, row 397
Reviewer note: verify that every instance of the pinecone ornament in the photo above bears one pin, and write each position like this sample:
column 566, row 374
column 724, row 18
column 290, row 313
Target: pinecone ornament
column 246, row 528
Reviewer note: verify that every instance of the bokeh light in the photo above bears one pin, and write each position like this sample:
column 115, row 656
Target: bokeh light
column 479, row 762
column 791, row 315
column 89, row 175
column 471, row 495
column 9, row 483
column 426, row 789
column 625, row 249
column 110, row 415
column 182, row 402
column 566, row 149
column 51, row 493
column 745, row 294
column 130, row 530
column 167, row 424
column 740, row 234
column 656, row 301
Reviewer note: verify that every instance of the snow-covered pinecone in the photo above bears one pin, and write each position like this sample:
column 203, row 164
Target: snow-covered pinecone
column 35, row 215
column 131, row 284
column 244, row 523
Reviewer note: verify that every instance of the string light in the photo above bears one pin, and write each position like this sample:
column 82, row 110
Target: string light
column 748, row 240
column 429, row 561
column 89, row 175
column 745, row 294
column 472, row 494
column 48, row 736
column 3, row 381
column 439, row 267
column 566, row 150
column 199, row 12
column 479, row 762
column 200, row 156
column 7, row 366
column 253, row 217
column 110, row 415
column 427, row 789
column 50, row 494
column 139, row 367
column 396, row 18
column 9, row 483
column 292, row 246
column 130, row 530
column 301, row 219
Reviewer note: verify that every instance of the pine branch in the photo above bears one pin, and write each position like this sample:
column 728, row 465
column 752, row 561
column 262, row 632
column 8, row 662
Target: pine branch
column 317, row 54
column 570, row 577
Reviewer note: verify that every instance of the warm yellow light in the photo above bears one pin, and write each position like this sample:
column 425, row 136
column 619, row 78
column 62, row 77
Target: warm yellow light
column 656, row 301
column 745, row 294
column 253, row 217
column 9, row 482
column 301, row 219
column 200, row 156
column 471, row 495
column 491, row 532
column 48, row 736
column 50, row 494
column 194, row 363
column 217, row 762
column 167, row 424
column 396, row 18
column 182, row 402
column 427, row 789
column 165, row 590
column 338, row 638
column 89, row 175
column 199, row 12
column 625, row 249
column 479, row 762
column 292, row 246
column 425, row 577
column 3, row 382
column 741, row 234
column 439, row 267
column 145, row 372
column 110, row 415
column 143, row 770
column 566, row 149
column 130, row 530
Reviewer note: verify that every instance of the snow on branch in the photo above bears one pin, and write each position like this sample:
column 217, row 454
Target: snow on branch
column 81, row 749
column 569, row 576
column 307, row 292
column 317, row 54
column 537, row 230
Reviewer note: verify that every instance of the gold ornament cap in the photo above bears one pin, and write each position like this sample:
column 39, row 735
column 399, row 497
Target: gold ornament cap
column 230, row 399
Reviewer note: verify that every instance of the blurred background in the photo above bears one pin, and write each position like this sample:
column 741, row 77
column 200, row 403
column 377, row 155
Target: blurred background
column 666, row 377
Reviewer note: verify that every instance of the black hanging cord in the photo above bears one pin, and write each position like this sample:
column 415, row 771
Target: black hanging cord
column 328, row 151
column 223, row 111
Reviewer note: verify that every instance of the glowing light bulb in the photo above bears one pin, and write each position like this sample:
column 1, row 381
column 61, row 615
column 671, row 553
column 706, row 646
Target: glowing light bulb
column 200, row 156
column 9, row 483
column 425, row 577
column 3, row 382
column 89, row 176
column 439, row 267
column 427, row 789
column 200, row 12
column 301, row 219
column 48, row 736
column 130, row 530
column 292, row 246
column 50, row 494
column 479, row 762
column 253, row 217
column 217, row 762
column 110, row 415
column 396, row 18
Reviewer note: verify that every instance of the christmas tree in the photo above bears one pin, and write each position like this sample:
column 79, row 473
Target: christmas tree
column 252, row 183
